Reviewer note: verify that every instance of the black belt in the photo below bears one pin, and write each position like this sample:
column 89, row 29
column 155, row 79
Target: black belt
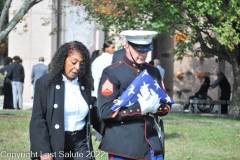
column 72, row 133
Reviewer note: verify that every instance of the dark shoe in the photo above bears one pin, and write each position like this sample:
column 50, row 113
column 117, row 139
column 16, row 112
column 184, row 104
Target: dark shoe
column 186, row 107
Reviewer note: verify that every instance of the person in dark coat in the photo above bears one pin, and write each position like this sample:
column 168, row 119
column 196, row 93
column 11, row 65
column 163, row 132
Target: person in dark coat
column 7, row 86
column 129, row 133
column 118, row 55
column 60, row 126
column 17, row 75
column 38, row 70
column 225, row 87
column 203, row 90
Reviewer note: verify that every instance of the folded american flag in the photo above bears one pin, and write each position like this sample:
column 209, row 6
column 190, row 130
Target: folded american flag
column 129, row 96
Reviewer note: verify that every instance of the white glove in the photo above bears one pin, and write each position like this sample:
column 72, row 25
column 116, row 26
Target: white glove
column 148, row 102
column 157, row 104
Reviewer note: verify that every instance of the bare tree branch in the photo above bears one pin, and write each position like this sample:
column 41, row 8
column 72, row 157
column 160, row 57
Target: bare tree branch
column 18, row 16
column 4, row 13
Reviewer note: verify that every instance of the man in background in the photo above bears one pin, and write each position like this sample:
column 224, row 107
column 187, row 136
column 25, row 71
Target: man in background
column 225, row 89
column 38, row 70
column 157, row 63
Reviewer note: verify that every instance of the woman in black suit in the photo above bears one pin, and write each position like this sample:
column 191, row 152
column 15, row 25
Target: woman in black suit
column 7, row 86
column 63, row 112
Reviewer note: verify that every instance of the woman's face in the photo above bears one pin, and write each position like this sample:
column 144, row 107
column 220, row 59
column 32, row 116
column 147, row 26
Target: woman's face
column 72, row 65
column 110, row 49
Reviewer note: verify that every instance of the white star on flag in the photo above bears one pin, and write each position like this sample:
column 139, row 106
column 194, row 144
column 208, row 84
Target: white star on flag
column 168, row 99
column 131, row 90
column 119, row 102
column 157, row 85
column 129, row 104
column 145, row 73
column 145, row 86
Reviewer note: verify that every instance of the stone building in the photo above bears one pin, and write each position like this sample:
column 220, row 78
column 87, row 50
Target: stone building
column 47, row 30
column 189, row 67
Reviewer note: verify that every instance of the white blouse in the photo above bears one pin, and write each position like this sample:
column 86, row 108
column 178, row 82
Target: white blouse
column 75, row 107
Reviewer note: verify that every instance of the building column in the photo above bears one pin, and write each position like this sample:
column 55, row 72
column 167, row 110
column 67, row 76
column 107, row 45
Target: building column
column 162, row 47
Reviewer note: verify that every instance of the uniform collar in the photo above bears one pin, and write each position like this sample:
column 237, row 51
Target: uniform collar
column 131, row 63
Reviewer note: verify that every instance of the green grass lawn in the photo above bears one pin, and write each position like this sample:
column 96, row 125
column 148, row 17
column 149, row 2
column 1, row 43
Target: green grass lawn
column 187, row 137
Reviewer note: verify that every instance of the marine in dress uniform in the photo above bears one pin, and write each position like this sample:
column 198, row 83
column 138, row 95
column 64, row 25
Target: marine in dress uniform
column 129, row 133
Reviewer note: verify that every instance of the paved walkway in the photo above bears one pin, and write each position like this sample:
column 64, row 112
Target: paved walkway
column 176, row 108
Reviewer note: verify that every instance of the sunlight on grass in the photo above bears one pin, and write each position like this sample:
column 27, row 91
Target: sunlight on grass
column 195, row 137
column 187, row 137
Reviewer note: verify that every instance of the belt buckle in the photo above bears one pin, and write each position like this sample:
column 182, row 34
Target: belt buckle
column 73, row 133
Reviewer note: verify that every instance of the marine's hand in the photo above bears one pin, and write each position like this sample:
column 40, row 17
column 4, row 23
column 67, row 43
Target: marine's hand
column 148, row 102
column 156, row 105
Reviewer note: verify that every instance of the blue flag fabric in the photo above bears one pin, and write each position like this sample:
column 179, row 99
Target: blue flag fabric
column 129, row 96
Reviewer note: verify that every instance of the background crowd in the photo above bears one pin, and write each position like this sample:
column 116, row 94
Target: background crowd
column 13, row 83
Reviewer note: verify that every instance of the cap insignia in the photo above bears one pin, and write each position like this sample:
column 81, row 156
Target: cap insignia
column 146, row 37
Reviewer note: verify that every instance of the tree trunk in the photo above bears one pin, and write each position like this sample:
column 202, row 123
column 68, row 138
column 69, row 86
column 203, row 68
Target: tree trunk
column 234, row 108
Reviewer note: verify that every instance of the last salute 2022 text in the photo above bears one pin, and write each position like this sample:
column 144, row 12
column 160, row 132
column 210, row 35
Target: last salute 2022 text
column 88, row 154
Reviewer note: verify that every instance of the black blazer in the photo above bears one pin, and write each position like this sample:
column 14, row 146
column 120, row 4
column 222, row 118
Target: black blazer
column 47, row 122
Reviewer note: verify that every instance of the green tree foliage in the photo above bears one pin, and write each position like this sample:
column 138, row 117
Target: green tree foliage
column 213, row 23
column 203, row 27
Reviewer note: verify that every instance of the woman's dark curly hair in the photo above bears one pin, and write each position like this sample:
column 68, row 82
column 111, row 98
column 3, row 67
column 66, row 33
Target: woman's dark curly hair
column 58, row 64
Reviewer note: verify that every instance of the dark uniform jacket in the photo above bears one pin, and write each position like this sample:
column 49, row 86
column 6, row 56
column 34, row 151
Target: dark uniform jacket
column 47, row 123
column 130, row 134
column 118, row 55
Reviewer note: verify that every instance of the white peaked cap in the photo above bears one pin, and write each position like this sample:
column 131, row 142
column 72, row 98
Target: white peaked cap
column 139, row 37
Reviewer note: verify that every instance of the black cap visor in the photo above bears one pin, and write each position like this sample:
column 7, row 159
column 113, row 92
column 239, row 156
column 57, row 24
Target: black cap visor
column 141, row 47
